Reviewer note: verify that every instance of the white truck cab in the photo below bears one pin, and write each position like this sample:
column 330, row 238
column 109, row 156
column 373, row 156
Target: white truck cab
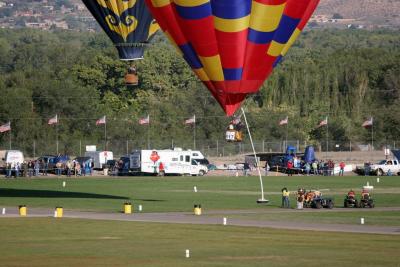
column 386, row 166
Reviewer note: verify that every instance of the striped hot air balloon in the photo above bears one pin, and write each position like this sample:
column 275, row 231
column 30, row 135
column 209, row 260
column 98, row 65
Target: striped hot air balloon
column 232, row 45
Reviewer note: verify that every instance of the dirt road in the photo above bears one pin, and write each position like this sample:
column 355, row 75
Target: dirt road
column 189, row 218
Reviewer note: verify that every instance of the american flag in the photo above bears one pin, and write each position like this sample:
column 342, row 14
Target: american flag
column 145, row 120
column 368, row 123
column 191, row 120
column 323, row 122
column 5, row 127
column 102, row 120
column 284, row 121
column 53, row 120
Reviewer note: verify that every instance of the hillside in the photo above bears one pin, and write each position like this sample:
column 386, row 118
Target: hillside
column 376, row 12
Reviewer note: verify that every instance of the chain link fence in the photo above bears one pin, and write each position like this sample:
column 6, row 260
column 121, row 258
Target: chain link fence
column 211, row 148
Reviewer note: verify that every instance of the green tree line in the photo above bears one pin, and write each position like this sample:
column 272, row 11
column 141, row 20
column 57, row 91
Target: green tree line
column 347, row 75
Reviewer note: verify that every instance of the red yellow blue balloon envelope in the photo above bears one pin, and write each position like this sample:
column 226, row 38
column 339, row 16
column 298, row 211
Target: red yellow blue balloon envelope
column 232, row 45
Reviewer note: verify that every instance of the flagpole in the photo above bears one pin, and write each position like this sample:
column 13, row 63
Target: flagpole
column 148, row 131
column 194, row 132
column 372, row 134
column 10, row 136
column 287, row 129
column 105, row 133
column 327, row 137
column 262, row 199
column 57, row 134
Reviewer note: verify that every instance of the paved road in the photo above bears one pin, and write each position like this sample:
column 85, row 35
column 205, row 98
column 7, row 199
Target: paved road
column 189, row 218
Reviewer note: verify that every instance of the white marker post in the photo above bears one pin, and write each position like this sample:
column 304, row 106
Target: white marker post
column 195, row 189
column 140, row 207
column 362, row 220
column 3, row 211
column 224, row 221
column 187, row 253
column 377, row 180
column 55, row 214
column 64, row 183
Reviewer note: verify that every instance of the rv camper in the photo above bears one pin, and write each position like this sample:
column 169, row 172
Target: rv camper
column 163, row 162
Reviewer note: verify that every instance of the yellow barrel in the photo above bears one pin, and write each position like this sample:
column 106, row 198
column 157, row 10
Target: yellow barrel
column 127, row 208
column 22, row 210
column 59, row 212
column 197, row 209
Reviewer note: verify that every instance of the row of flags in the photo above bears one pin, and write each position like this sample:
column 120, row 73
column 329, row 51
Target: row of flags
column 146, row 120
column 324, row 122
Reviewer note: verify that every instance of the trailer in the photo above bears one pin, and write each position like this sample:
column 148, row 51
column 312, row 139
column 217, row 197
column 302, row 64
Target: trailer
column 99, row 158
column 165, row 162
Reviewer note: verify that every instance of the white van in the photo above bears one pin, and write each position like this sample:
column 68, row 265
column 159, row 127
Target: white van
column 13, row 157
column 99, row 158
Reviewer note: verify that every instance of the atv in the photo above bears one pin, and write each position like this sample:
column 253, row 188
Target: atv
column 350, row 202
column 366, row 201
column 314, row 199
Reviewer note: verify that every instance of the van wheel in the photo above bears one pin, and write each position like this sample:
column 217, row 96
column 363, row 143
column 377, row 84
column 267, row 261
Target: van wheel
column 201, row 173
column 379, row 172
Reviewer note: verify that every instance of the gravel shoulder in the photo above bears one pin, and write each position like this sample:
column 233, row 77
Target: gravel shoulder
column 189, row 218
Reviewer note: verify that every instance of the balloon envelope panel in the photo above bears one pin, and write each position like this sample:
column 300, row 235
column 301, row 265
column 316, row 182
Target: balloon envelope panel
column 232, row 45
column 126, row 22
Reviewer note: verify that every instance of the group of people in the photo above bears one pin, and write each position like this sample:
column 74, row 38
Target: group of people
column 313, row 168
column 301, row 197
column 286, row 198
column 40, row 167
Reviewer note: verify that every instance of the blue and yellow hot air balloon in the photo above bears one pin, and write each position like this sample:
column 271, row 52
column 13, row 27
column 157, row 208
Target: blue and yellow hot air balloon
column 128, row 23
column 232, row 45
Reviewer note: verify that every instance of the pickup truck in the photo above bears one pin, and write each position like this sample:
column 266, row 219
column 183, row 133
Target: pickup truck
column 383, row 167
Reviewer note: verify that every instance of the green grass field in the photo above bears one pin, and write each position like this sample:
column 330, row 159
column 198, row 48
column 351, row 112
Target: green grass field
column 71, row 242
column 79, row 242
column 176, row 193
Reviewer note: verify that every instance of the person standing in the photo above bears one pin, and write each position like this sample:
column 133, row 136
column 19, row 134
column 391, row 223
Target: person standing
column 8, row 170
column 315, row 168
column 69, row 168
column 289, row 168
column 30, row 168
column 37, row 168
column 17, row 169
column 91, row 166
column 161, row 169
column 341, row 165
column 45, row 167
column 24, row 169
column 59, row 168
column 266, row 168
column 300, row 198
column 87, row 167
column 246, row 169
column 307, row 168
column 285, row 198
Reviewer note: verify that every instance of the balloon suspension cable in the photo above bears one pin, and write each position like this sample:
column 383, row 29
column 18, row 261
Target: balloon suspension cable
column 262, row 199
